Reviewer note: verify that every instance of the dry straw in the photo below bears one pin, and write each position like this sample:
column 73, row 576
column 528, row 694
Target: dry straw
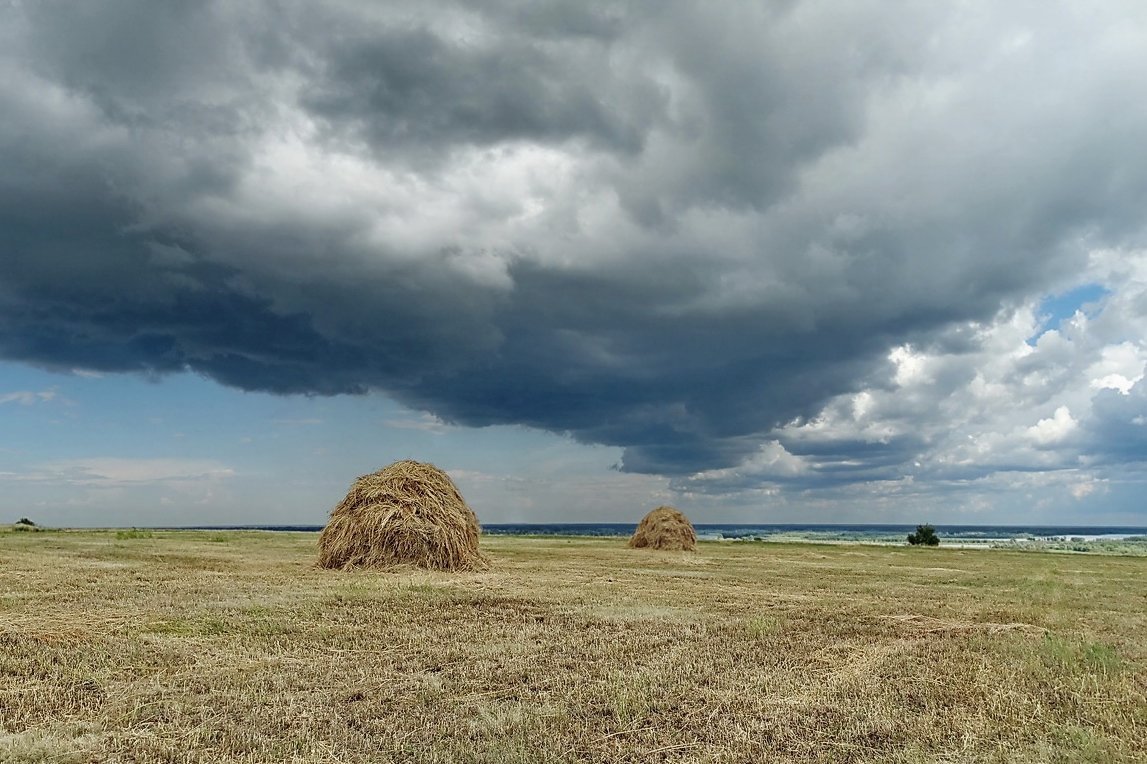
column 409, row 513
column 665, row 528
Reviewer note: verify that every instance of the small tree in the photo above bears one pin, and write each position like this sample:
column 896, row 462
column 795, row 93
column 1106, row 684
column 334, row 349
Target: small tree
column 25, row 521
column 925, row 534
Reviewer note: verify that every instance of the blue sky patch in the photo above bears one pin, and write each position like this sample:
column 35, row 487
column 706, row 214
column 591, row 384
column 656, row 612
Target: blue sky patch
column 1057, row 308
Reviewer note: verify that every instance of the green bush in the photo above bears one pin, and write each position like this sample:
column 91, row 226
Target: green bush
column 924, row 535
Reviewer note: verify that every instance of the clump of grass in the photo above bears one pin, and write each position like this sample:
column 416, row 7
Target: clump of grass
column 630, row 699
column 762, row 626
column 1076, row 656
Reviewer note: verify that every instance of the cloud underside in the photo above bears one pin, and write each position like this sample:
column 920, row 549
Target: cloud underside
column 701, row 235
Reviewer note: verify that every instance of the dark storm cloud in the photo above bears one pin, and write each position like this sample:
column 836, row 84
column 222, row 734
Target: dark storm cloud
column 411, row 89
column 671, row 230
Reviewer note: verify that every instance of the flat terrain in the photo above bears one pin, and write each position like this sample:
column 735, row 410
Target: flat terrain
column 232, row 647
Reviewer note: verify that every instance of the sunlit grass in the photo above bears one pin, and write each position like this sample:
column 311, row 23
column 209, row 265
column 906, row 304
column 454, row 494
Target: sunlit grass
column 234, row 647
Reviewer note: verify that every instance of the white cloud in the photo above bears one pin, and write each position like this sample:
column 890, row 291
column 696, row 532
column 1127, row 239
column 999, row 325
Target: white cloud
column 28, row 397
column 1085, row 488
column 1053, row 430
column 910, row 366
column 1120, row 367
column 962, row 418
column 106, row 471
column 771, row 462
column 424, row 422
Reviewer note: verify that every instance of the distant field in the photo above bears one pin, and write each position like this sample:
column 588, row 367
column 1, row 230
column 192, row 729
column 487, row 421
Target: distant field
column 231, row 647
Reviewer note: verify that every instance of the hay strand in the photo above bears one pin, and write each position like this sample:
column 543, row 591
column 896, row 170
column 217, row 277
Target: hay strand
column 665, row 528
column 408, row 513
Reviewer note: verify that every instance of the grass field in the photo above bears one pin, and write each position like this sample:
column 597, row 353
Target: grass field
column 232, row 647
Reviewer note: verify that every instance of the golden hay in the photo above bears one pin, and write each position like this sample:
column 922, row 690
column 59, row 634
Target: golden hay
column 665, row 528
column 406, row 514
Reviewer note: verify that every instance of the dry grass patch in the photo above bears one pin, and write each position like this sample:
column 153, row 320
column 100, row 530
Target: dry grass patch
column 565, row 651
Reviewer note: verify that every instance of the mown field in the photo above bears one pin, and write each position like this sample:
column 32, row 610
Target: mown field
column 232, row 647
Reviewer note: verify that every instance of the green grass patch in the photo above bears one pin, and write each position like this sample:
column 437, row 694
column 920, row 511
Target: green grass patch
column 1077, row 656
column 761, row 626
column 130, row 534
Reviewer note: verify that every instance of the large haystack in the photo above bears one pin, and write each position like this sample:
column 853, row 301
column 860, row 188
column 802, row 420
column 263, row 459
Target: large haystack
column 406, row 514
column 665, row 528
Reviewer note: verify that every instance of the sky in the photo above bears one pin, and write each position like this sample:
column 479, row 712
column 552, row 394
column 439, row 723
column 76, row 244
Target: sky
column 791, row 261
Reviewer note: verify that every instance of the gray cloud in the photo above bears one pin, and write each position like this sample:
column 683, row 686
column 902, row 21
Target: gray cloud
column 407, row 90
column 675, row 231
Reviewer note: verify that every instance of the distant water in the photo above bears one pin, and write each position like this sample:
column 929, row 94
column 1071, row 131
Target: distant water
column 743, row 531
column 764, row 532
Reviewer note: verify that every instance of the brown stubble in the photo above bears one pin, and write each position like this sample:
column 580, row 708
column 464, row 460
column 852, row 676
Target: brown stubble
column 204, row 647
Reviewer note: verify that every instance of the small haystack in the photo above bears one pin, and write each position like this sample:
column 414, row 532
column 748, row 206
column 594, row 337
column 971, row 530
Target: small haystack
column 406, row 514
column 665, row 528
